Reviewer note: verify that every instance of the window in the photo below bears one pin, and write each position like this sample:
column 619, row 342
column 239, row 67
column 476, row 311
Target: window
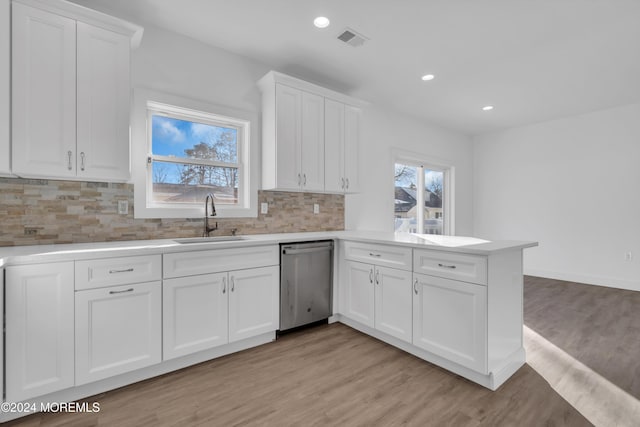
column 190, row 150
column 434, row 181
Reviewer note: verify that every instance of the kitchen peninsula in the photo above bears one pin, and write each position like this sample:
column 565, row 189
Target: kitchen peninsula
column 452, row 301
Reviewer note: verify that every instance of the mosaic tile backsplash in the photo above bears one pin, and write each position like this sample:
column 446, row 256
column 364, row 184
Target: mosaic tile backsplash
column 34, row 212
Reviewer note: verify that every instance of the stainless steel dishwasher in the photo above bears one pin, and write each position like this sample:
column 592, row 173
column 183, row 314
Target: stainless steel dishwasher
column 306, row 276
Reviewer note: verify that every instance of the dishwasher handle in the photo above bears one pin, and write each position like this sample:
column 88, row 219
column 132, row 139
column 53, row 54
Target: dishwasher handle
column 288, row 251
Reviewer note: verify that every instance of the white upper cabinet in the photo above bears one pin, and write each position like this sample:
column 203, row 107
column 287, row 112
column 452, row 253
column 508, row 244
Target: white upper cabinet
column 44, row 93
column 5, row 85
column 103, row 104
column 334, row 146
column 312, row 142
column 342, row 145
column 299, row 141
column 288, row 117
column 310, row 137
column 70, row 92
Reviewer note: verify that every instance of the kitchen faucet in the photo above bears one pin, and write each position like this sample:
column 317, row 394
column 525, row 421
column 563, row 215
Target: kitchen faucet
column 208, row 229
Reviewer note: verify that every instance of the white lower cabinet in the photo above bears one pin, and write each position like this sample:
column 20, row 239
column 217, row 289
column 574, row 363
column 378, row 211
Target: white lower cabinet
column 208, row 310
column 358, row 302
column 450, row 320
column 195, row 314
column 254, row 302
column 39, row 356
column 118, row 330
column 379, row 297
column 393, row 302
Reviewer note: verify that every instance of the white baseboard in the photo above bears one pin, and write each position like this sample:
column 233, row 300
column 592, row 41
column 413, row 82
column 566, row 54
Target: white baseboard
column 606, row 282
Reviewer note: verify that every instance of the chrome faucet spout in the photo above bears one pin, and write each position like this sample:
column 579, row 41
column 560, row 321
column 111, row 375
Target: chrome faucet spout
column 209, row 201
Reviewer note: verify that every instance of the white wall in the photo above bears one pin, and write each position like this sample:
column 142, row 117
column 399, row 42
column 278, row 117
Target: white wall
column 573, row 185
column 383, row 132
column 182, row 66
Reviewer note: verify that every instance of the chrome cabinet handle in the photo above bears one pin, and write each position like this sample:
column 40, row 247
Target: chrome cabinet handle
column 121, row 292
column 371, row 276
column 375, row 255
column 233, row 284
column 415, row 286
column 128, row 270
column 347, row 181
column 378, row 277
column 446, row 266
column 69, row 154
column 342, row 183
column 82, row 160
column 299, row 179
column 305, row 180
column 224, row 285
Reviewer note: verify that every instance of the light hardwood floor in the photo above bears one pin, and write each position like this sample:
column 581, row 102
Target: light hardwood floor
column 335, row 376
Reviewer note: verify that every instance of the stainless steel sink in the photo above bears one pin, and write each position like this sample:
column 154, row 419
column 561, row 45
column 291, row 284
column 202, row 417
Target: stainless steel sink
column 209, row 239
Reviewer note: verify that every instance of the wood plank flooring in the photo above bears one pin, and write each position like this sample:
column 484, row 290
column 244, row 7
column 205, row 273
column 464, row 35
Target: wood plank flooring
column 335, row 376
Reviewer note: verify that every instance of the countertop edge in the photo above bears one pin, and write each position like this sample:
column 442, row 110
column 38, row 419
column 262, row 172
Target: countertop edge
column 21, row 255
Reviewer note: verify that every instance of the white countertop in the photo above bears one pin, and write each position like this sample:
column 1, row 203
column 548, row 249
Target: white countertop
column 52, row 253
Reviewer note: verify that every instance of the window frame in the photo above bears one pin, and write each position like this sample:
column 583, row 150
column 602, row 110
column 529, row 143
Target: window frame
column 448, row 188
column 147, row 103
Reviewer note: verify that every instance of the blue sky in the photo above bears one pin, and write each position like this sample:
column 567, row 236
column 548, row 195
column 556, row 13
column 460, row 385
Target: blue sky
column 172, row 136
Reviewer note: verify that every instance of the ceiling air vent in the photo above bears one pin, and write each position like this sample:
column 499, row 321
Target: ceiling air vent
column 352, row 37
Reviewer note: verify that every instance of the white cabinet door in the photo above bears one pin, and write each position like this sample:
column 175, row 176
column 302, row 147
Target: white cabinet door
column 288, row 134
column 450, row 320
column 334, row 146
column 103, row 103
column 312, row 142
column 195, row 314
column 393, row 302
column 253, row 302
column 118, row 329
column 352, row 148
column 358, row 298
column 5, row 85
column 44, row 93
column 39, row 330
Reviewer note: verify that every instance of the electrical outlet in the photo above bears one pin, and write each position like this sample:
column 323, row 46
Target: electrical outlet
column 316, row 208
column 628, row 256
column 264, row 208
column 123, row 207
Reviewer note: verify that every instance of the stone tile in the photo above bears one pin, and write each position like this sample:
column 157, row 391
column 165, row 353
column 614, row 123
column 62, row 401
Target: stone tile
column 78, row 212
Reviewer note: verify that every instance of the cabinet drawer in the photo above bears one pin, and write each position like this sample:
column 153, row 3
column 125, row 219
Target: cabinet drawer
column 98, row 273
column 383, row 255
column 216, row 260
column 467, row 268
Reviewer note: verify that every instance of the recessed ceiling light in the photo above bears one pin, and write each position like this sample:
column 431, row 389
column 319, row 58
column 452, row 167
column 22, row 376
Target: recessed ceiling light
column 321, row 22
column 428, row 77
column 487, row 108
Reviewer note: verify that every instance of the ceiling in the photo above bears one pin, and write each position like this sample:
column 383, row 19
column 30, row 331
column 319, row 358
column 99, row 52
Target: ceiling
column 532, row 60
